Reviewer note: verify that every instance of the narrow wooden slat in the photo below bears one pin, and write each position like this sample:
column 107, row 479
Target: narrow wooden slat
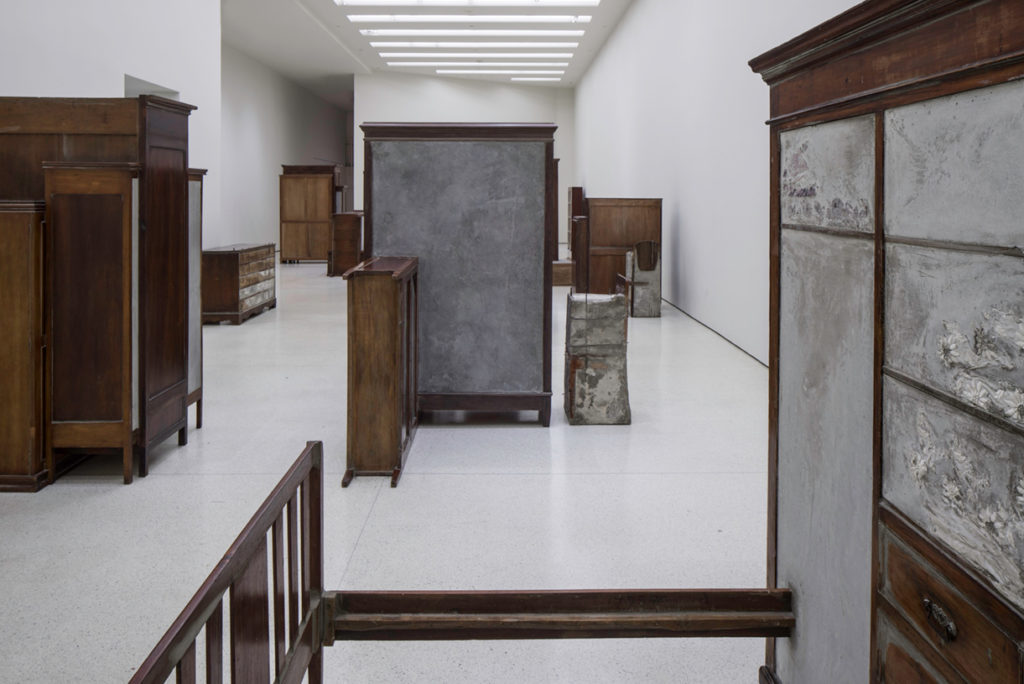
column 304, row 544
column 215, row 646
column 447, row 626
column 186, row 670
column 277, row 535
column 293, row 571
column 250, row 628
column 560, row 614
column 316, row 564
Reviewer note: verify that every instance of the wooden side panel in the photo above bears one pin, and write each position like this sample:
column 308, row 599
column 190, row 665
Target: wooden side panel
column 623, row 222
column 374, row 420
column 21, row 360
column 164, row 273
column 346, row 231
column 87, row 272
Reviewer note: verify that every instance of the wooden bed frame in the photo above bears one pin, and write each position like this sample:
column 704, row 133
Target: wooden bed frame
column 306, row 618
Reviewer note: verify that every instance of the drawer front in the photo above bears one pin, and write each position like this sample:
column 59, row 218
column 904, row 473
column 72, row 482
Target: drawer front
column 954, row 626
column 256, row 254
column 250, row 279
column 252, row 290
column 255, row 300
column 265, row 264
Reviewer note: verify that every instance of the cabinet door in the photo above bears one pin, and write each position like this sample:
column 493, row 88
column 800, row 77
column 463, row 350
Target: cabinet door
column 318, row 240
column 294, row 241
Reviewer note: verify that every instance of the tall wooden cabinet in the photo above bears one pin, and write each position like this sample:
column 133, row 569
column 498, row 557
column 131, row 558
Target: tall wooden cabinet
column 309, row 198
column 896, row 453
column 382, row 364
column 152, row 133
column 22, row 465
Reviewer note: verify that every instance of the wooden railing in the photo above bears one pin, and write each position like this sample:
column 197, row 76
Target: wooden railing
column 311, row 618
column 259, row 591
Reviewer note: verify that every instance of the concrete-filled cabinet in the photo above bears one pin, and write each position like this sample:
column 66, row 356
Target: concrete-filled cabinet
column 897, row 343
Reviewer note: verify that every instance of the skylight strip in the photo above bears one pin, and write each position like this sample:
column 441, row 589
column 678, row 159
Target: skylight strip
column 468, row 3
column 499, row 71
column 469, row 18
column 478, row 64
column 445, row 45
column 474, row 55
column 469, row 33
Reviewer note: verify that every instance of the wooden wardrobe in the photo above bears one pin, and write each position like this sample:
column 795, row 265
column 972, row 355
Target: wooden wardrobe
column 150, row 133
column 310, row 196
column 896, row 451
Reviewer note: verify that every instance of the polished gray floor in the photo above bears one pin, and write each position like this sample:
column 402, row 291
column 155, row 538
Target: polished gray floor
column 94, row 571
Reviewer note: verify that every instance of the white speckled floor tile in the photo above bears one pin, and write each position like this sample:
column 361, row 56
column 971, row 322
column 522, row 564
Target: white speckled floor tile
column 94, row 571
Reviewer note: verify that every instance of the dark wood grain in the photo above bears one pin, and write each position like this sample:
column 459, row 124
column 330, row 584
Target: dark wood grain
column 163, row 267
column 382, row 349
column 897, row 48
column 560, row 614
column 774, row 334
column 250, row 635
column 21, row 347
column 614, row 226
column 979, row 648
column 215, row 645
column 279, row 584
column 346, row 239
column 87, row 318
column 186, row 670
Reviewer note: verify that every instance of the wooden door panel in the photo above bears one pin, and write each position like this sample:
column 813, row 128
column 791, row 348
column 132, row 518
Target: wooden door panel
column 87, row 272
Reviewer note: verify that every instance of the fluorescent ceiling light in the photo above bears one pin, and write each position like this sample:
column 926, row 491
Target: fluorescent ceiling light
column 498, row 71
column 476, row 55
column 470, row 44
column 454, row 33
column 470, row 3
column 478, row 64
column 469, row 18
column 535, row 78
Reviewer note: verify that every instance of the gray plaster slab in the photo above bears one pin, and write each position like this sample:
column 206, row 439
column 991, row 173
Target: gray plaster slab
column 828, row 175
column 473, row 212
column 953, row 167
column 960, row 479
column 825, row 453
column 955, row 321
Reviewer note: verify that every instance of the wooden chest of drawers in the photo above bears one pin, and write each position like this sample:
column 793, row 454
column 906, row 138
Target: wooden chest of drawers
column 238, row 282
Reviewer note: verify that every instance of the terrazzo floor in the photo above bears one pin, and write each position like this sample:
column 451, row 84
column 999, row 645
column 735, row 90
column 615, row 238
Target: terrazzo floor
column 94, row 571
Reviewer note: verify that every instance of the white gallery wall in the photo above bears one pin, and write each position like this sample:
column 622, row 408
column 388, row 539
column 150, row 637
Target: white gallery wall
column 670, row 109
column 412, row 98
column 85, row 48
column 267, row 121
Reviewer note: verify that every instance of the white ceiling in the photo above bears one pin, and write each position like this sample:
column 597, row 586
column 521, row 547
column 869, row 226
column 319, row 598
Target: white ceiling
column 313, row 42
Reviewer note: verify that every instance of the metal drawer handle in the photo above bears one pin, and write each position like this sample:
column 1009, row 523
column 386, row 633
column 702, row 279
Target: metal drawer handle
column 940, row 619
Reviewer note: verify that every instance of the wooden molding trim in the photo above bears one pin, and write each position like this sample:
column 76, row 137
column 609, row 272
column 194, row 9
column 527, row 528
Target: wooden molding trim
column 459, row 131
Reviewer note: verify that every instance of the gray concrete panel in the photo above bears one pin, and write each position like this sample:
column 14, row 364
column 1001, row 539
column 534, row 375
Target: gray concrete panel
column 960, row 479
column 955, row 321
column 828, row 175
column 953, row 167
column 473, row 212
column 825, row 454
